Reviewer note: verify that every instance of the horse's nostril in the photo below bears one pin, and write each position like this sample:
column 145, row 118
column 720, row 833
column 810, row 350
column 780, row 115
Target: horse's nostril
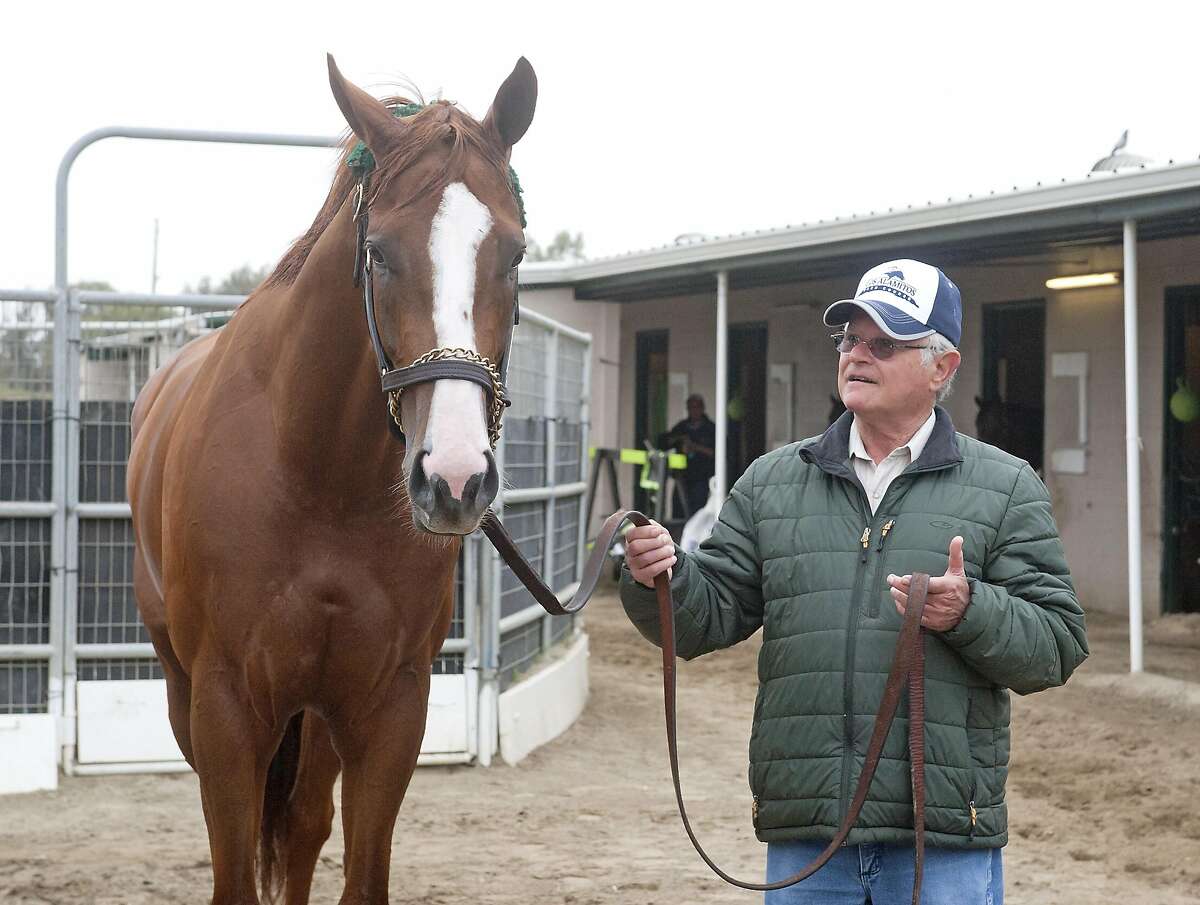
column 420, row 488
column 471, row 489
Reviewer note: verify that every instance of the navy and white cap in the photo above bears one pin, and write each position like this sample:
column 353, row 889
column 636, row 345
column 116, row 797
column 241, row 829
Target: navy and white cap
column 907, row 299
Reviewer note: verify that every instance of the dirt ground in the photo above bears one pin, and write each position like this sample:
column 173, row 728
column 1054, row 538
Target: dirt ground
column 1103, row 793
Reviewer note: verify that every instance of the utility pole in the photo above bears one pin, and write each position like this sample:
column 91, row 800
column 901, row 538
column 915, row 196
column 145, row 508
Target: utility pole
column 154, row 266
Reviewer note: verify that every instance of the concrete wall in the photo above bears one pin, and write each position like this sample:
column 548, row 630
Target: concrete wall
column 1090, row 508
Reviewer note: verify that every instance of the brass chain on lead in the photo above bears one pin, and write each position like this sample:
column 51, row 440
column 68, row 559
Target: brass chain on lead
column 499, row 400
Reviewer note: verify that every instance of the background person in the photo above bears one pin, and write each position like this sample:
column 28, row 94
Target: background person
column 696, row 437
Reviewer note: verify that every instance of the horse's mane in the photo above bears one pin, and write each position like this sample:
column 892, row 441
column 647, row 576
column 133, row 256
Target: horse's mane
column 439, row 121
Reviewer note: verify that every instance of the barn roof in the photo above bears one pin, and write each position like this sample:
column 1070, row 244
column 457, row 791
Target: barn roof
column 1164, row 199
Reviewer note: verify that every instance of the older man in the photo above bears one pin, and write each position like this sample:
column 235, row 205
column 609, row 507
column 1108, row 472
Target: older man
column 816, row 544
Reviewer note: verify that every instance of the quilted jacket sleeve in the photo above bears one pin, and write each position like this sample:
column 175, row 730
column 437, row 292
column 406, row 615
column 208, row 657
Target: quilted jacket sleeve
column 1024, row 628
column 717, row 590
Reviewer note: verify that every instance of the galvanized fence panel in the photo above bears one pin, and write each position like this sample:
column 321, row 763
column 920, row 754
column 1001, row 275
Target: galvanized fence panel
column 65, row 408
column 119, row 341
column 544, row 467
column 525, row 421
column 27, row 520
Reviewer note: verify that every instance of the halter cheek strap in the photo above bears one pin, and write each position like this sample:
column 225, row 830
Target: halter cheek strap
column 437, row 364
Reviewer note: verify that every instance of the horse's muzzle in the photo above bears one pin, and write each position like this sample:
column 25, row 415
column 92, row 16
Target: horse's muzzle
column 437, row 509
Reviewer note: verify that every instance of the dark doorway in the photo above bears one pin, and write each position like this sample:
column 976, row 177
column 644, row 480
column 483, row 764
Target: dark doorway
column 1181, row 453
column 650, row 405
column 1012, row 409
column 746, row 416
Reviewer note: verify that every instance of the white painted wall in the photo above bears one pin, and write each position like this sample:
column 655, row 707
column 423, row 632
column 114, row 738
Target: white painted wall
column 545, row 705
column 28, row 753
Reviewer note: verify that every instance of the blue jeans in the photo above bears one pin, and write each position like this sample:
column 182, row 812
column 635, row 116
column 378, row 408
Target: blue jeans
column 883, row 875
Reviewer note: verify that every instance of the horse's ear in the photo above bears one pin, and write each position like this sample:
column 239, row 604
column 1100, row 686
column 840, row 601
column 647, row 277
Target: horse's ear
column 369, row 118
column 512, row 110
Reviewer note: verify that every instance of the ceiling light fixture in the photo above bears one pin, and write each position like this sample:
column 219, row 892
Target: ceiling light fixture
column 1085, row 280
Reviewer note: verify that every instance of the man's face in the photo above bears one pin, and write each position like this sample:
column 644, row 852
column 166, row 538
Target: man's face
column 899, row 387
column 695, row 409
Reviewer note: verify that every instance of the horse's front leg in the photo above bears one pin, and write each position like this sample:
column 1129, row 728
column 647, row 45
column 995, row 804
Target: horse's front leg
column 379, row 753
column 232, row 749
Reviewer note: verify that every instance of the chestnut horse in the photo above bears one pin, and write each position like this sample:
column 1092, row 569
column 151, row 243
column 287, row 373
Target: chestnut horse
column 288, row 564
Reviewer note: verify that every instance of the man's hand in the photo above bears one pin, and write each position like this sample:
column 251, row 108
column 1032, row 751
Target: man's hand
column 948, row 595
column 649, row 551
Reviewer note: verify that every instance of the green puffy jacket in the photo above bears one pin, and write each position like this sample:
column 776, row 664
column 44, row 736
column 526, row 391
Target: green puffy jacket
column 798, row 552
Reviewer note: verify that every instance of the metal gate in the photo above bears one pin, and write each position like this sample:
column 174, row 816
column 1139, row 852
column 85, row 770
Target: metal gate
column 79, row 684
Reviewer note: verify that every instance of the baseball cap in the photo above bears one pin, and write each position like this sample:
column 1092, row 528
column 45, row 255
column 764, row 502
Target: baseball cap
column 907, row 299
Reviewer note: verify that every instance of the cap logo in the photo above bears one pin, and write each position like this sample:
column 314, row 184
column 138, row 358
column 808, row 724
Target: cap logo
column 893, row 282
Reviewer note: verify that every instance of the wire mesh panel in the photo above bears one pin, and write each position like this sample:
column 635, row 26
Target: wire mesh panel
column 448, row 665
column 26, row 401
column 568, row 405
column 569, row 389
column 24, row 581
column 525, row 421
column 107, row 609
column 103, row 668
column 121, row 346
column 26, row 476
column 550, row 368
column 24, row 686
column 560, row 627
column 524, row 451
column 526, row 522
column 566, row 542
column 518, row 649
column 104, row 444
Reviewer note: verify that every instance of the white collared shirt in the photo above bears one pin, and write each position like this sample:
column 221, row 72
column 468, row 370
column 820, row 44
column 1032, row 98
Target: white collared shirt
column 876, row 479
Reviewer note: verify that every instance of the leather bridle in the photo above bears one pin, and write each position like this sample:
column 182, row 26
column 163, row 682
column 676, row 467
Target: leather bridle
column 908, row 665
column 442, row 363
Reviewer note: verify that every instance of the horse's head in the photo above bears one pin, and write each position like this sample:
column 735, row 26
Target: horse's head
column 444, row 236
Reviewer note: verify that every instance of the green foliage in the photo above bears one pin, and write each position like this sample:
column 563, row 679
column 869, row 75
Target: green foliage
column 113, row 312
column 241, row 281
column 564, row 247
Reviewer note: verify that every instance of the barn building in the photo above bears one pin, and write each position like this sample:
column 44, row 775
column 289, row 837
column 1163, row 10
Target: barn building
column 1067, row 363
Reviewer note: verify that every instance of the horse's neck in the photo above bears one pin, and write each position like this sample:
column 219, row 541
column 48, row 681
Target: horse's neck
column 328, row 410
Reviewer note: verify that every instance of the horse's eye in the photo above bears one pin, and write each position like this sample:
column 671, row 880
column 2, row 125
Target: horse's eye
column 518, row 259
column 375, row 257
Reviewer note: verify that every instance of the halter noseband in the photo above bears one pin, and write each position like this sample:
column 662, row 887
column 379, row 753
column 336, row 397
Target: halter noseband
column 437, row 364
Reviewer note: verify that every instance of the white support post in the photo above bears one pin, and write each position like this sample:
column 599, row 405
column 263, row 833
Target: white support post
column 1133, row 443
column 722, row 402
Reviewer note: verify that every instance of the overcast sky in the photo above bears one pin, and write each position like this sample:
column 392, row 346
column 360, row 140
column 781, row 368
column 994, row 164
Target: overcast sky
column 653, row 119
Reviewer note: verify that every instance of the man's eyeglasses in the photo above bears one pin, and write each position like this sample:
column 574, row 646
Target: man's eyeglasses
column 881, row 347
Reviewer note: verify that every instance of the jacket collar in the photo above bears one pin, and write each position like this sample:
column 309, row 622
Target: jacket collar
column 831, row 450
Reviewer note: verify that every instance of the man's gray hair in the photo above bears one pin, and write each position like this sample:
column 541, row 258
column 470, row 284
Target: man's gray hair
column 936, row 346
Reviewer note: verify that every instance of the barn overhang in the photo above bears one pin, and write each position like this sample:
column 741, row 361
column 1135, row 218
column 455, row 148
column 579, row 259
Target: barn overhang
column 1044, row 220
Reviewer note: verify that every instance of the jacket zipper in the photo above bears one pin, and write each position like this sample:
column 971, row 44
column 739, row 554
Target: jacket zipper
column 974, row 814
column 848, row 675
column 848, row 684
column 880, row 574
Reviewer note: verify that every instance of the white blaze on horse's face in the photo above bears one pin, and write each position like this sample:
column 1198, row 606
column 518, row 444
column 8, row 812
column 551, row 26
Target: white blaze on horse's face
column 456, row 435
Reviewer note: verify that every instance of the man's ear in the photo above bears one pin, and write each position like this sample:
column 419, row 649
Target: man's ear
column 945, row 367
